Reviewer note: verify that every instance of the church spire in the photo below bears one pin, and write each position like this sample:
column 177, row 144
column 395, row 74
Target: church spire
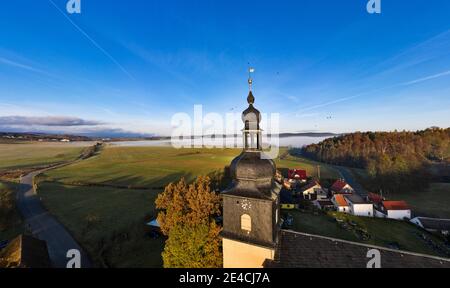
column 250, row 98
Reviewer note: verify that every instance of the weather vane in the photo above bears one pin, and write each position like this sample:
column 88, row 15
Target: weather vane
column 250, row 79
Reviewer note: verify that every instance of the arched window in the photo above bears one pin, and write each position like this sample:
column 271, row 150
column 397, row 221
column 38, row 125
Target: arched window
column 246, row 223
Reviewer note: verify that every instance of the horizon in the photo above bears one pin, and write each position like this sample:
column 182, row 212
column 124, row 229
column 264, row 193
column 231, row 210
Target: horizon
column 127, row 69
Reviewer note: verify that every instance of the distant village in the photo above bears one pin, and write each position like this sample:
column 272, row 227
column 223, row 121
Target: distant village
column 299, row 188
column 17, row 137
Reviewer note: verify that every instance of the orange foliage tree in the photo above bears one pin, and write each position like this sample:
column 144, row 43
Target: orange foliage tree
column 187, row 217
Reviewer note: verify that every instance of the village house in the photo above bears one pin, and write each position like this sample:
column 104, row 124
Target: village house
column 313, row 191
column 340, row 203
column 341, row 187
column 375, row 199
column 298, row 174
column 358, row 206
column 398, row 210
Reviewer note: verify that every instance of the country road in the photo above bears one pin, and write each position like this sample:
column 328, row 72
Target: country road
column 350, row 179
column 44, row 226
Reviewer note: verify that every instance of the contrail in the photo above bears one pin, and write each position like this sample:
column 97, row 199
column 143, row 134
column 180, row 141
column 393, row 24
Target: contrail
column 445, row 73
column 426, row 78
column 93, row 41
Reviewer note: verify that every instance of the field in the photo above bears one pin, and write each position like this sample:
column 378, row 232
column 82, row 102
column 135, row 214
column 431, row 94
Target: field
column 16, row 159
column 154, row 167
column 385, row 233
column 108, row 220
column 19, row 156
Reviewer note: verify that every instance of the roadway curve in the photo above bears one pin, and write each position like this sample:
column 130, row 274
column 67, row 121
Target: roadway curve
column 44, row 226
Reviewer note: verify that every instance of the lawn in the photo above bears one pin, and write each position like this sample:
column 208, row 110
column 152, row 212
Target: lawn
column 108, row 221
column 382, row 232
column 19, row 156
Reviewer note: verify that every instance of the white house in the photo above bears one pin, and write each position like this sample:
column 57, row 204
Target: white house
column 398, row 210
column 358, row 206
column 340, row 203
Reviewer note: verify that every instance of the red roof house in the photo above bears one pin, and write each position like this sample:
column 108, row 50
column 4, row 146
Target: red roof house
column 297, row 174
column 341, row 187
column 396, row 210
column 375, row 198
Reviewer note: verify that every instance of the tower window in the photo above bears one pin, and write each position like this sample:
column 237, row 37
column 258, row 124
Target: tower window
column 246, row 223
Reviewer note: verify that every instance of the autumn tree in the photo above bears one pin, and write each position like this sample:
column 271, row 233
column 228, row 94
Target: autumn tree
column 187, row 217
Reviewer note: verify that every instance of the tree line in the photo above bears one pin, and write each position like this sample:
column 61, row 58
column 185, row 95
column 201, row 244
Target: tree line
column 398, row 161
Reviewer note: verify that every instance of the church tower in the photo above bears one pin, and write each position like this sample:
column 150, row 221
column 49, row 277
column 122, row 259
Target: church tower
column 251, row 216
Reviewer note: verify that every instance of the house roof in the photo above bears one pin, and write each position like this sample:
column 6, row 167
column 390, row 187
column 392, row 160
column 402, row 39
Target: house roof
column 375, row 198
column 355, row 199
column 301, row 250
column 395, row 205
column 340, row 200
column 338, row 185
column 292, row 173
column 324, row 203
column 310, row 185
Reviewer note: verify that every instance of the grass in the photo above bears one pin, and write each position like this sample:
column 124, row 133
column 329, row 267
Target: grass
column 383, row 232
column 158, row 166
column 108, row 221
column 19, row 156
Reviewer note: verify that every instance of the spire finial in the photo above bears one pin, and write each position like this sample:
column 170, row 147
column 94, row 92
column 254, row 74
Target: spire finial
column 250, row 98
column 250, row 79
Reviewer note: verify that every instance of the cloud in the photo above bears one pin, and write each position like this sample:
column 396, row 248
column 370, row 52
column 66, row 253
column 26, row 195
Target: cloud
column 46, row 121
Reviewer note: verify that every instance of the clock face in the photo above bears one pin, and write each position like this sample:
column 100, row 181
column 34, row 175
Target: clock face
column 246, row 205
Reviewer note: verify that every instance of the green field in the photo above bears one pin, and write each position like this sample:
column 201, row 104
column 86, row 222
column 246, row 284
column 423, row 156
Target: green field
column 157, row 166
column 19, row 156
column 382, row 232
column 97, row 216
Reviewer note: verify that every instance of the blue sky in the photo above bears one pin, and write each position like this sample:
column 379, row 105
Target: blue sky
column 128, row 66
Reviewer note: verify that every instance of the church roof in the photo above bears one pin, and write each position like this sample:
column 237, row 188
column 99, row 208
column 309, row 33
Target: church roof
column 301, row 250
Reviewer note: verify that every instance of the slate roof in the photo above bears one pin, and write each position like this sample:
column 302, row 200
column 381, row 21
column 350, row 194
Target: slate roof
column 301, row 250
column 355, row 199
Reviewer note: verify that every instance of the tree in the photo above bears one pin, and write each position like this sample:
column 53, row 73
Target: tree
column 187, row 217
column 193, row 246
